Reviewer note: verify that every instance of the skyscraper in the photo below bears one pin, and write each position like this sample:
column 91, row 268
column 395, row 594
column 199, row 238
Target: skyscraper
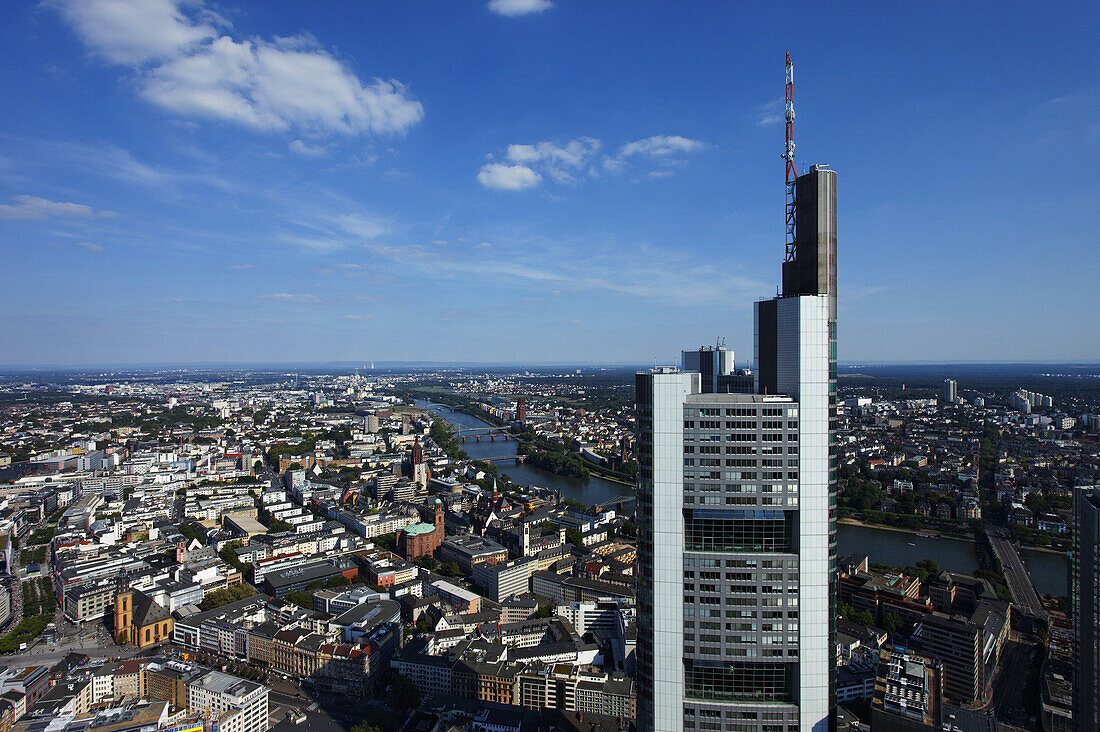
column 736, row 515
column 950, row 391
column 1084, row 594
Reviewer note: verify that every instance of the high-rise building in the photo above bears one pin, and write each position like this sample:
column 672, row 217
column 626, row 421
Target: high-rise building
column 736, row 515
column 950, row 391
column 715, row 364
column 1085, row 609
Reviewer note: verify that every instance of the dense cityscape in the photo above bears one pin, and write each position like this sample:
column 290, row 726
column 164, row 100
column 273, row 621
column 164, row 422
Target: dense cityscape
column 353, row 548
column 463, row 367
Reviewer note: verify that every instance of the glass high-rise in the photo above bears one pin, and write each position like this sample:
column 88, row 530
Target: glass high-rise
column 736, row 515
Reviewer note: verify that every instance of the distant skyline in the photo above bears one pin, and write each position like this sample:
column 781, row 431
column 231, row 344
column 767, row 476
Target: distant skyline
column 537, row 181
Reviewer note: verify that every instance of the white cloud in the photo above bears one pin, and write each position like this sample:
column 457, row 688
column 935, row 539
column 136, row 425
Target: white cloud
column 568, row 162
column 613, row 165
column 242, row 266
column 358, row 317
column 289, row 297
column 133, row 31
column 33, row 207
column 89, row 246
column 514, row 8
column 659, row 146
column 186, row 69
column 560, row 162
column 359, row 226
column 508, row 177
column 309, row 151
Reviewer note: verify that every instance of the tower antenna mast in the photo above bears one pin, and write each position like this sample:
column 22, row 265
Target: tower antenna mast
column 788, row 155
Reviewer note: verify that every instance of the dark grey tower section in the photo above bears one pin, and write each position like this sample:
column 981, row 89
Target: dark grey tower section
column 1086, row 615
column 813, row 270
column 766, row 333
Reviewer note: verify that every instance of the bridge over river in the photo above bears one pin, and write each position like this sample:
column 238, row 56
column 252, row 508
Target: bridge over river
column 1019, row 581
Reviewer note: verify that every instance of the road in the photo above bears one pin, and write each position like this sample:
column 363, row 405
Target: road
column 1019, row 583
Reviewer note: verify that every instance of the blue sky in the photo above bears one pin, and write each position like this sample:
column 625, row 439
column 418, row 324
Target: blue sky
column 525, row 180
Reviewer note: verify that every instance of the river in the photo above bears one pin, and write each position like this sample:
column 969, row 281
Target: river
column 901, row 549
column 896, row 548
column 587, row 490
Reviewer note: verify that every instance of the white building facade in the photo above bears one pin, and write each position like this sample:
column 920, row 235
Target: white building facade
column 736, row 502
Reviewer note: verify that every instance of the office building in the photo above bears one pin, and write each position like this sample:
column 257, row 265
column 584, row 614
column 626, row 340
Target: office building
column 736, row 514
column 907, row 694
column 968, row 645
column 1085, row 607
column 950, row 391
column 237, row 705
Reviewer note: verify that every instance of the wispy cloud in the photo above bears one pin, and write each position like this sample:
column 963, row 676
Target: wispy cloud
column 290, row 297
column 642, row 271
column 660, row 146
column 526, row 165
column 91, row 247
column 770, row 113
column 186, row 65
column 34, row 207
column 309, row 151
column 514, row 8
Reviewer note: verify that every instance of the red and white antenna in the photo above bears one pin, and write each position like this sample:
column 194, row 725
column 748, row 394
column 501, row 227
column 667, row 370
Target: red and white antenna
column 788, row 155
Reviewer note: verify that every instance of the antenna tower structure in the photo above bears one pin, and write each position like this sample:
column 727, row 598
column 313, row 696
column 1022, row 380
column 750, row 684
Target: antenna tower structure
column 788, row 156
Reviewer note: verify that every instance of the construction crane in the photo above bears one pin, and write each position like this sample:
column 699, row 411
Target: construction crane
column 788, row 156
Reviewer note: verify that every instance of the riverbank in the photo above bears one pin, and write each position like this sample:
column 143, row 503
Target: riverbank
column 589, row 490
column 934, row 533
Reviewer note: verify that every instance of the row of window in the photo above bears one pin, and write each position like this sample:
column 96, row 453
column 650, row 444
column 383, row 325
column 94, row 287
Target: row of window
column 740, row 412
column 768, row 531
column 738, row 424
column 708, row 563
column 754, row 500
column 741, row 681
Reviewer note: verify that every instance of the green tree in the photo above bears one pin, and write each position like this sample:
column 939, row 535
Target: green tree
column 229, row 556
column 929, row 567
column 299, row 598
column 450, row 569
column 574, row 537
column 233, row 593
